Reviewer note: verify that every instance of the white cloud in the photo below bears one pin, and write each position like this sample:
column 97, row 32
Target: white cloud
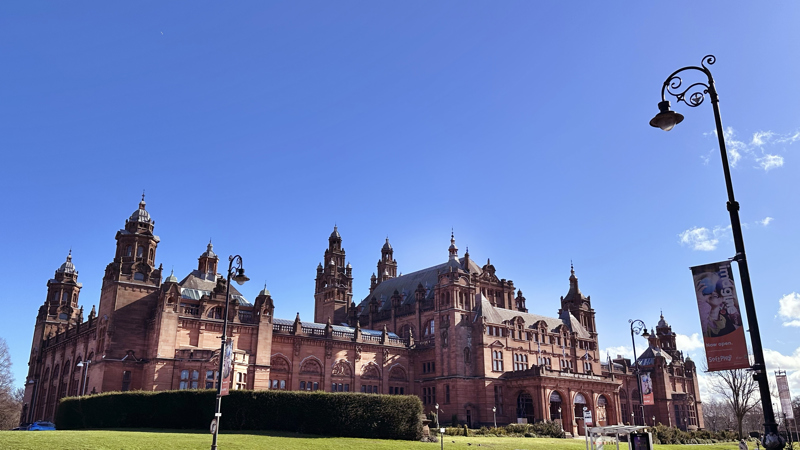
column 620, row 350
column 767, row 220
column 761, row 137
column 688, row 343
column 703, row 239
column 699, row 239
column 761, row 148
column 790, row 309
column 769, row 162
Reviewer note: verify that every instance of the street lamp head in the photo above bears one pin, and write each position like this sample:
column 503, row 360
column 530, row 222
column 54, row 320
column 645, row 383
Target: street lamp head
column 436, row 406
column 494, row 408
column 645, row 334
column 666, row 119
column 240, row 277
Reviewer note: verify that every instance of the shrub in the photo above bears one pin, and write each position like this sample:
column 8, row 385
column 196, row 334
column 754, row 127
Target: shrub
column 332, row 414
column 466, row 430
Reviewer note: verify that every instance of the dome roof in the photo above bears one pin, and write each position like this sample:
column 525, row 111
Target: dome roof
column 140, row 215
column 387, row 245
column 67, row 267
column 171, row 278
column 662, row 323
column 209, row 253
column 264, row 291
column 335, row 234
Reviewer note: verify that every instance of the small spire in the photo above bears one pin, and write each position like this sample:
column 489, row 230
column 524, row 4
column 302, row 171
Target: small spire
column 69, row 255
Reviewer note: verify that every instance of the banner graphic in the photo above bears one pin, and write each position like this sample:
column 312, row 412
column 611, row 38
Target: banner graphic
column 720, row 319
column 783, row 394
column 647, row 389
column 227, row 367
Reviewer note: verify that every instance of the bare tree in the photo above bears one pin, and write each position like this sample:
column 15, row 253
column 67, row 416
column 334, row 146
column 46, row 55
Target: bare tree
column 10, row 398
column 717, row 415
column 738, row 389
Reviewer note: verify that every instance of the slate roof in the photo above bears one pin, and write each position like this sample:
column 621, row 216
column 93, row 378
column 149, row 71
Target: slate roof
column 649, row 356
column 407, row 284
column 197, row 284
column 500, row 315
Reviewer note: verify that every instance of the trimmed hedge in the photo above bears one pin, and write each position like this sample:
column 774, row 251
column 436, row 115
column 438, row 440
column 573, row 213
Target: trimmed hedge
column 330, row 414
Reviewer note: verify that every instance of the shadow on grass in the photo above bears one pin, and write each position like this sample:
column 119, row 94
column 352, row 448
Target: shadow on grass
column 269, row 433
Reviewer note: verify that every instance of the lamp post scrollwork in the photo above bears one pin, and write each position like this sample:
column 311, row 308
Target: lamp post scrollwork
column 694, row 95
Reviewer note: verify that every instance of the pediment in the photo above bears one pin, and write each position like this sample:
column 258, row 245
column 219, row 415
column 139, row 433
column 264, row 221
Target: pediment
column 497, row 344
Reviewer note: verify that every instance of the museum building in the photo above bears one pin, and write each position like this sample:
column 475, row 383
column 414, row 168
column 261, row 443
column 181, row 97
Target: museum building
column 454, row 334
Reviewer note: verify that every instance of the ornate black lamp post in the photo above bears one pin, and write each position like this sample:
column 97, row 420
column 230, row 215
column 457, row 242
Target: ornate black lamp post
column 666, row 119
column 638, row 327
column 237, row 273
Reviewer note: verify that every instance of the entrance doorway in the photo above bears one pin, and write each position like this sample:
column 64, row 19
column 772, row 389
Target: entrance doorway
column 580, row 403
column 555, row 408
column 525, row 408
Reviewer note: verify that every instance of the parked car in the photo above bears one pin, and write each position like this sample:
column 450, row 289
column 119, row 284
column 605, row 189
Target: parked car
column 42, row 426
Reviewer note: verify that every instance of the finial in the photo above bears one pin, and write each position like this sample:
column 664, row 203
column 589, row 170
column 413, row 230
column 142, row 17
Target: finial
column 69, row 255
column 142, row 194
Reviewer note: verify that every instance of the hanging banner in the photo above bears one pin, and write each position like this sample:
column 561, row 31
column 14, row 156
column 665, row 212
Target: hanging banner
column 227, row 367
column 720, row 317
column 783, row 394
column 647, row 389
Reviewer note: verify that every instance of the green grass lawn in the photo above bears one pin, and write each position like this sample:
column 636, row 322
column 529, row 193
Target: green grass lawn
column 177, row 440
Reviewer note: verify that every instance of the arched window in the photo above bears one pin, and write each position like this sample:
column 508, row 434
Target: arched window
column 215, row 313
column 139, row 252
column 129, row 251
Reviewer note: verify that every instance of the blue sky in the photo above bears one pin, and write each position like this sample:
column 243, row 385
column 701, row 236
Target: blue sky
column 522, row 125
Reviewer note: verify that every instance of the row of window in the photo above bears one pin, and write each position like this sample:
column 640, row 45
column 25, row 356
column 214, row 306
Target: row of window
column 527, row 336
column 428, row 367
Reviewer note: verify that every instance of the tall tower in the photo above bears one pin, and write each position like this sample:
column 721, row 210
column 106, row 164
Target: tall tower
column 129, row 293
column 387, row 266
column 334, row 284
column 579, row 305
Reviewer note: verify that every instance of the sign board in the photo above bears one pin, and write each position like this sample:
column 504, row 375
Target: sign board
column 213, row 426
column 720, row 317
column 587, row 418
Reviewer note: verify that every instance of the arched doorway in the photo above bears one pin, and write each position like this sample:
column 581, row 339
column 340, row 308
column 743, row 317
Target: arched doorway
column 555, row 408
column 602, row 412
column 525, row 408
column 580, row 403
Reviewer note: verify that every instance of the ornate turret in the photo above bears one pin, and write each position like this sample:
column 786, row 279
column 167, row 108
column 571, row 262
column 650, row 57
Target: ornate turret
column 452, row 250
column 63, row 290
column 207, row 262
column 578, row 304
column 387, row 265
column 136, row 250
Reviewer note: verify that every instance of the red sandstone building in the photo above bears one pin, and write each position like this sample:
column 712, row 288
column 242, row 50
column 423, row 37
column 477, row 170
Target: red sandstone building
column 454, row 334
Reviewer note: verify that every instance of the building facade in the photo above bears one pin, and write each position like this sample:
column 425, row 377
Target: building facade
column 676, row 393
column 454, row 334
